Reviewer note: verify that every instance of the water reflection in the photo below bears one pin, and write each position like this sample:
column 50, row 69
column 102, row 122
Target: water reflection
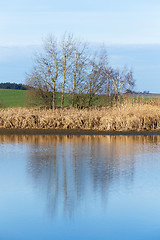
column 66, row 170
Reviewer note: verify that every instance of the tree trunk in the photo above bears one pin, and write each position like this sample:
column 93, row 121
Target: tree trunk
column 73, row 94
column 62, row 100
column 73, row 91
column 90, row 99
column 54, row 96
column 63, row 83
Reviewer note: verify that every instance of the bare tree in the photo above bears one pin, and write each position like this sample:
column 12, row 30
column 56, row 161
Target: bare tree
column 79, row 68
column 120, row 80
column 69, row 66
column 46, row 69
column 52, row 65
column 95, row 79
column 67, row 52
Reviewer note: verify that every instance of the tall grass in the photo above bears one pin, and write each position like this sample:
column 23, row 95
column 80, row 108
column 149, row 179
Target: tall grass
column 128, row 115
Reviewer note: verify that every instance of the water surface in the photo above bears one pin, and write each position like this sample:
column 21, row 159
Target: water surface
column 79, row 187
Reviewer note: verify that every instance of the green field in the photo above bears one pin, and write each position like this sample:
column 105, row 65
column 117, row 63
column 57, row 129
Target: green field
column 12, row 98
column 20, row 98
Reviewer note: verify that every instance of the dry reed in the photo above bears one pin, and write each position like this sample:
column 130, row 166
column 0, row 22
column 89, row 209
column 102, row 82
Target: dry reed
column 128, row 116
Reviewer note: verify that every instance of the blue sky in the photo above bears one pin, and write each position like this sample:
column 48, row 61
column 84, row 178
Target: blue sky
column 132, row 27
column 113, row 22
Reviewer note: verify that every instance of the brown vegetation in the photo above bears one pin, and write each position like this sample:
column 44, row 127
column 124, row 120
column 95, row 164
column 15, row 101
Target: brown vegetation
column 124, row 117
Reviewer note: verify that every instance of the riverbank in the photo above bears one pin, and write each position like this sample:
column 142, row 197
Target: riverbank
column 78, row 132
column 127, row 119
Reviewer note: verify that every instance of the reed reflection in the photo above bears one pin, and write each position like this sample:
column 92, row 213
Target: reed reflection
column 69, row 169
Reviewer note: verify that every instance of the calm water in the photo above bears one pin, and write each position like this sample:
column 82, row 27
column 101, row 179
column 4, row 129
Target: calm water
column 79, row 187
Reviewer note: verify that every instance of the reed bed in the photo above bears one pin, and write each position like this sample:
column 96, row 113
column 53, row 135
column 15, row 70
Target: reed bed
column 128, row 116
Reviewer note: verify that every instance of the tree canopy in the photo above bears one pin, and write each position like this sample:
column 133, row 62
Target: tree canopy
column 17, row 86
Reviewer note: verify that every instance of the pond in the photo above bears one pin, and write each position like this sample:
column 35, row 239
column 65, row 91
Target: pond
column 79, row 187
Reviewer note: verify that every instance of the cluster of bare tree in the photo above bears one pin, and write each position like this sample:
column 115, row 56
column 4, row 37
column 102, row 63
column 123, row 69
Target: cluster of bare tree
column 69, row 66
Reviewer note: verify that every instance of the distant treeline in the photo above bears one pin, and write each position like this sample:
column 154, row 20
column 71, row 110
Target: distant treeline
column 9, row 85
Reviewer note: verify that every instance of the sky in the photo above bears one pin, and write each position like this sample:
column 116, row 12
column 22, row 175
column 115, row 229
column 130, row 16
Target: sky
column 129, row 29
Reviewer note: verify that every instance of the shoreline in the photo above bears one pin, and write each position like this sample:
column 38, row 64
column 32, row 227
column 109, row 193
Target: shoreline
column 14, row 131
column 137, row 119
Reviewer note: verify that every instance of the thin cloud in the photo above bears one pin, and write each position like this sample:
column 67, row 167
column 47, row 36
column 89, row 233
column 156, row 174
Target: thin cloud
column 109, row 27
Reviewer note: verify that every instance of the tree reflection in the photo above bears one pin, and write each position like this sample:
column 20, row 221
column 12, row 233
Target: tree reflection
column 69, row 169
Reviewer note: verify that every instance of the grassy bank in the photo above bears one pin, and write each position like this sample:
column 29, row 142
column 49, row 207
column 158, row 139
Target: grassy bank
column 126, row 117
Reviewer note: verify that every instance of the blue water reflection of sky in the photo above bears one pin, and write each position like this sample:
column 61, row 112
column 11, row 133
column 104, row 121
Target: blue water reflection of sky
column 79, row 187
